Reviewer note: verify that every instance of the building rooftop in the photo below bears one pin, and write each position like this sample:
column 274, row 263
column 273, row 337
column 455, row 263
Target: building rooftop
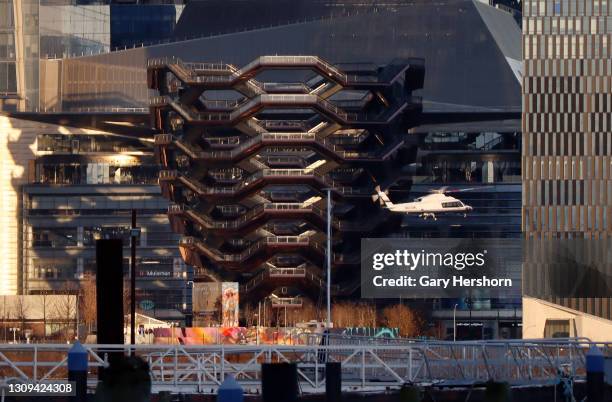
column 471, row 50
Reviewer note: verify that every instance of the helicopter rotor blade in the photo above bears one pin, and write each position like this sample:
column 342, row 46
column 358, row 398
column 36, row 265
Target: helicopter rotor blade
column 440, row 190
column 461, row 190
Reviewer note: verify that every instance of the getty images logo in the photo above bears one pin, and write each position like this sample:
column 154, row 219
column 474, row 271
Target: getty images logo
column 412, row 261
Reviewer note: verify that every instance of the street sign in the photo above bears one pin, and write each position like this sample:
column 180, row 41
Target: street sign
column 147, row 305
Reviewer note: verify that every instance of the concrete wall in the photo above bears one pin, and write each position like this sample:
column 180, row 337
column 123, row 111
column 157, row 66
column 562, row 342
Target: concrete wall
column 17, row 146
column 38, row 307
column 536, row 312
column 17, row 150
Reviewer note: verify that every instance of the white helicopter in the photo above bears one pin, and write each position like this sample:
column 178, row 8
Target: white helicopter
column 426, row 206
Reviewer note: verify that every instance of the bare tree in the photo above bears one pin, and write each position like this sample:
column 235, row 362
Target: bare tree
column 87, row 302
column 307, row 312
column 268, row 314
column 45, row 308
column 127, row 303
column 409, row 322
column 218, row 315
column 249, row 313
column 348, row 314
column 4, row 316
column 66, row 310
column 21, row 310
column 366, row 315
column 339, row 315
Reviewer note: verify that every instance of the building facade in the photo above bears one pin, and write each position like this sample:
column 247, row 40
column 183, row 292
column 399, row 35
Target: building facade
column 63, row 188
column 35, row 35
column 466, row 136
column 484, row 165
column 83, row 187
column 567, row 143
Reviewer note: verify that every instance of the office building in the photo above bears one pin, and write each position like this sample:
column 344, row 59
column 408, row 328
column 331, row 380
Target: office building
column 63, row 188
column 83, row 187
column 567, row 176
column 36, row 34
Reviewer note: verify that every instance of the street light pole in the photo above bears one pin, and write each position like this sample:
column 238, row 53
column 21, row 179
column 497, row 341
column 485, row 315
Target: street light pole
column 329, row 253
column 14, row 331
column 133, row 233
column 455, row 323
column 258, row 321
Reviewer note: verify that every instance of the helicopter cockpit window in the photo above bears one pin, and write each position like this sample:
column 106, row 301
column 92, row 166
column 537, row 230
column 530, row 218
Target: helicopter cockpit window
column 452, row 204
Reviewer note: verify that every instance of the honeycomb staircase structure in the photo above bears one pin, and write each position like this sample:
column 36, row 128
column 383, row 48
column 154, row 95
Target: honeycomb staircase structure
column 247, row 163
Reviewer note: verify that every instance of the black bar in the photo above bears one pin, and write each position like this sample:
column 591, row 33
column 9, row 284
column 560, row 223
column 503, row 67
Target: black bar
column 133, row 283
column 279, row 382
column 79, row 379
column 333, row 382
column 109, row 291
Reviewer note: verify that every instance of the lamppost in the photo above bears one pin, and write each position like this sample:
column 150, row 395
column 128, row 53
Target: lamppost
column 14, row 331
column 258, row 314
column 455, row 323
column 328, row 255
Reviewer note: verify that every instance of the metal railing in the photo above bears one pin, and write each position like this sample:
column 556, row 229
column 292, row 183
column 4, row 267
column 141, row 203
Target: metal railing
column 251, row 145
column 365, row 365
column 256, row 178
column 300, row 240
column 251, row 106
column 284, row 302
column 272, row 207
column 229, row 74
column 271, row 271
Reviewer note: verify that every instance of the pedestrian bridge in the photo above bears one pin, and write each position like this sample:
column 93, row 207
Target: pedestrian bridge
column 367, row 363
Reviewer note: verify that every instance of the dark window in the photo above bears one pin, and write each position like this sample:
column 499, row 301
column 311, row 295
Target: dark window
column 54, row 237
column 557, row 329
column 93, row 233
column 53, row 268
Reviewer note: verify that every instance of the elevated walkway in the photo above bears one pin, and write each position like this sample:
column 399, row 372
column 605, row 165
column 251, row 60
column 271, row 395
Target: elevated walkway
column 261, row 214
column 216, row 75
column 258, row 180
column 252, row 106
column 260, row 251
column 254, row 144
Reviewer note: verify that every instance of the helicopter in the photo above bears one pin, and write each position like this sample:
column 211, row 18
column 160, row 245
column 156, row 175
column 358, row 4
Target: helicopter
column 426, row 206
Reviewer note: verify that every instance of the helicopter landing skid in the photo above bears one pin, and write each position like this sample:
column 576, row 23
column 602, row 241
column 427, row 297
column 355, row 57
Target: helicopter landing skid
column 426, row 215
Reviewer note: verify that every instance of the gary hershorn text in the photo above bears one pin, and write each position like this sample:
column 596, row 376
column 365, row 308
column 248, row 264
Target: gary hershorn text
column 444, row 283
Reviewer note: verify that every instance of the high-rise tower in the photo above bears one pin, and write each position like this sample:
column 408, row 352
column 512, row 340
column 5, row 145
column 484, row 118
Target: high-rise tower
column 567, row 146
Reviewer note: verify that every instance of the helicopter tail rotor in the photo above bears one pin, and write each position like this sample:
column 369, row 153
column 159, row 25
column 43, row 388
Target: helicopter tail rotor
column 376, row 196
column 381, row 197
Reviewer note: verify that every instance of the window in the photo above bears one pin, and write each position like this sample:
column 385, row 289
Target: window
column 452, row 204
column 54, row 237
column 160, row 236
column 93, row 233
column 8, row 77
column 557, row 329
column 53, row 268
